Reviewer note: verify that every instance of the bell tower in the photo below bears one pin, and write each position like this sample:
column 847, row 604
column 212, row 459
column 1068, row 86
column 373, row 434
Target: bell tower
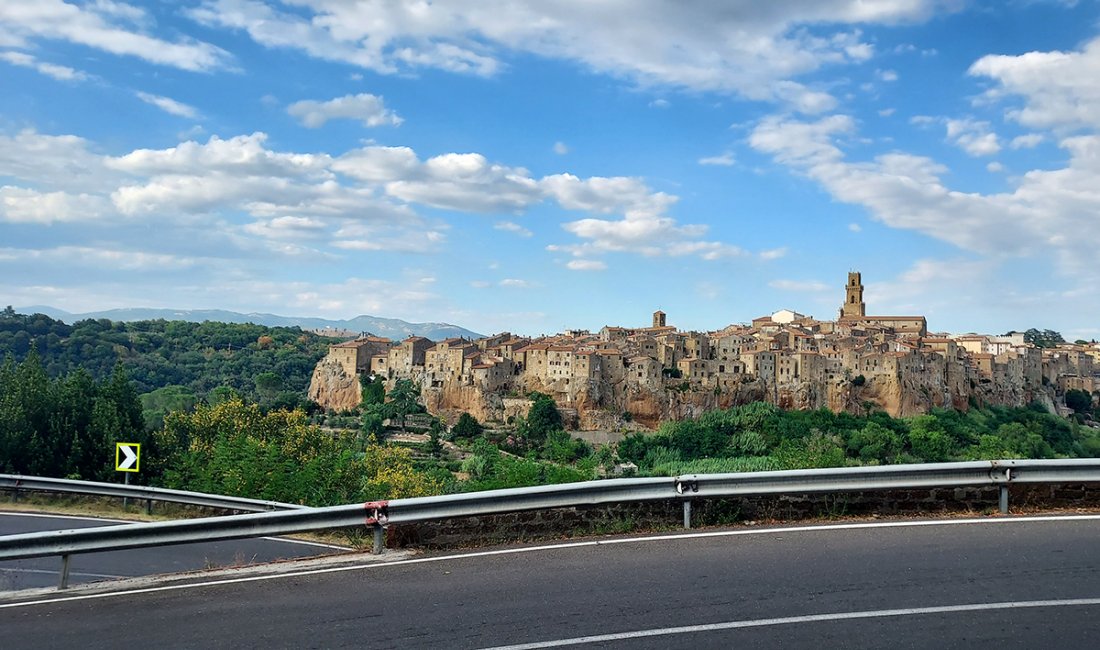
column 853, row 297
column 658, row 318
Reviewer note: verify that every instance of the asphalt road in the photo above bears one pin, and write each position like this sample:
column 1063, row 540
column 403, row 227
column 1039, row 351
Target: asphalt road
column 731, row 587
column 92, row 567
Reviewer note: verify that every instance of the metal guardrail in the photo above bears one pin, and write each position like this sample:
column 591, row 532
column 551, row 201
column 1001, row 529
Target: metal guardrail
column 16, row 483
column 683, row 488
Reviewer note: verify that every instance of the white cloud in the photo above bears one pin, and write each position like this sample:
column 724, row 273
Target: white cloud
column 724, row 160
column 799, row 285
column 292, row 228
column 1027, row 141
column 22, row 205
column 108, row 27
column 585, row 265
column 59, row 72
column 995, row 167
column 86, row 257
column 1060, row 90
column 773, row 254
column 261, row 201
column 467, row 182
column 561, row 148
column 855, row 227
column 364, row 107
column 378, row 164
column 906, row 191
column 372, row 236
column 61, row 162
column 241, row 155
column 660, row 103
column 513, row 283
column 748, row 49
column 920, row 288
column 709, row 290
column 169, row 105
column 887, row 75
column 644, row 227
column 973, row 137
column 887, row 112
column 515, row 228
column 412, row 301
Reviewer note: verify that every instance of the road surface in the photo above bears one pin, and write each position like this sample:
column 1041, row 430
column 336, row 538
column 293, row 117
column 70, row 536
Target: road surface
column 995, row 582
column 91, row 567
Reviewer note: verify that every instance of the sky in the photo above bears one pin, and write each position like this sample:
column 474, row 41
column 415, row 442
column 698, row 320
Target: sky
column 532, row 167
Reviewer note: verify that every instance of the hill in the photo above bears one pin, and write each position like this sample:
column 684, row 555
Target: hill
column 392, row 328
column 255, row 360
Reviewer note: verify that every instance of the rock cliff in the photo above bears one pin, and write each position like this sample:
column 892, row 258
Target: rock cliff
column 599, row 405
column 333, row 388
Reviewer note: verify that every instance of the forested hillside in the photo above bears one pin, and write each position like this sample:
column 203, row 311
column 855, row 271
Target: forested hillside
column 268, row 364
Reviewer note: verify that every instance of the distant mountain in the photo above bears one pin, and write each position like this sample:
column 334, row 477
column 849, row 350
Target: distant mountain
column 392, row 328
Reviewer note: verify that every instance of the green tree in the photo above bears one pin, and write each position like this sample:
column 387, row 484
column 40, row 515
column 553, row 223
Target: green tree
column 542, row 418
column 467, row 426
column 162, row 401
column 874, row 442
column 1043, row 338
column 1078, row 400
column 928, row 440
column 373, row 421
column 268, row 385
column 435, row 440
column 404, row 400
column 372, row 389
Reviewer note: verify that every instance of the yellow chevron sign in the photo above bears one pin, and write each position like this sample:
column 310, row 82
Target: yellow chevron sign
column 127, row 456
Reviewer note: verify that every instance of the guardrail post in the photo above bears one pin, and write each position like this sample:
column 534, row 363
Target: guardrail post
column 64, row 584
column 379, row 539
column 687, row 514
column 1004, row 499
column 148, row 506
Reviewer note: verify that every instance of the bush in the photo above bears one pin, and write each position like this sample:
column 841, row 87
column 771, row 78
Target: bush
column 467, row 426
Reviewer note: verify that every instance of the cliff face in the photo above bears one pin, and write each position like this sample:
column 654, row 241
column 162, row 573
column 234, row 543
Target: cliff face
column 599, row 405
column 333, row 388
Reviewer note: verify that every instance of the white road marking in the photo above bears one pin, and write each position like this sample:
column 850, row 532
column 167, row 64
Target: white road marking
column 136, row 521
column 565, row 545
column 791, row 620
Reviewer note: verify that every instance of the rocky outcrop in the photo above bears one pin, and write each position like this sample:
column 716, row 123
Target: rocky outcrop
column 599, row 405
column 333, row 388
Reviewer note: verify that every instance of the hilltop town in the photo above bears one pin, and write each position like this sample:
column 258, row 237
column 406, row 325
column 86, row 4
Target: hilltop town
column 639, row 376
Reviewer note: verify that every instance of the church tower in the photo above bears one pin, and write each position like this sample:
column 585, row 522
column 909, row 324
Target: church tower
column 658, row 318
column 853, row 300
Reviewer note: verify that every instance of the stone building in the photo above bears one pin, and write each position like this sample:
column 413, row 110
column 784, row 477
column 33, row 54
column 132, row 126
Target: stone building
column 355, row 356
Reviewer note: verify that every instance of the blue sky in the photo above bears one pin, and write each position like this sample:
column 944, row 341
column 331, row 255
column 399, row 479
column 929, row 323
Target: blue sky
column 533, row 166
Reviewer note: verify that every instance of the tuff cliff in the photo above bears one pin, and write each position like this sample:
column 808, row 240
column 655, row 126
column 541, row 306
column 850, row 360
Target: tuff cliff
column 332, row 387
column 602, row 405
